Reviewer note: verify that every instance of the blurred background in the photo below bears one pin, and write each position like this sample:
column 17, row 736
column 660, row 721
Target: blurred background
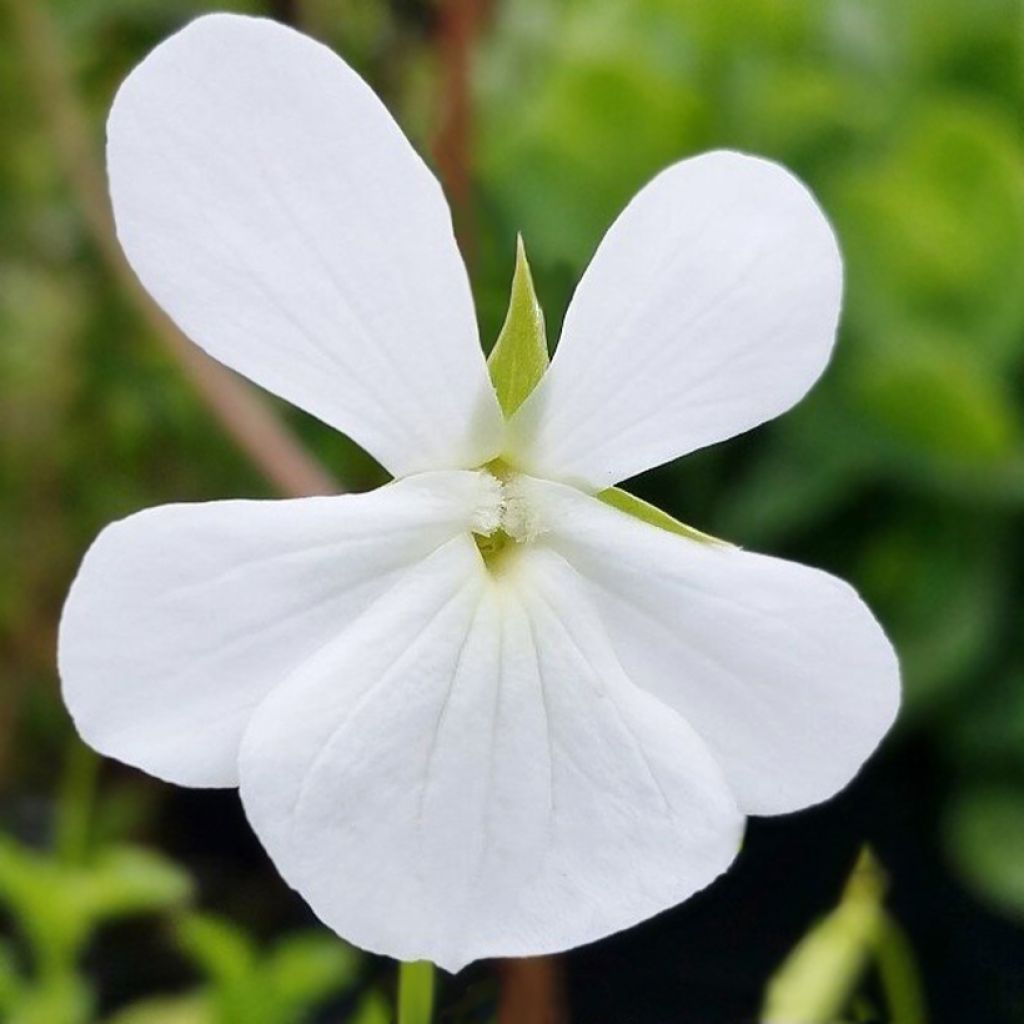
column 125, row 900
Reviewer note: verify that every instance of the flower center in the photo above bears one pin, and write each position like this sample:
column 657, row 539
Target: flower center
column 504, row 518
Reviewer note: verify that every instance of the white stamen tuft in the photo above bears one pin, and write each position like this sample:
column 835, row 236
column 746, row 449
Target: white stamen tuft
column 487, row 515
column 521, row 521
column 505, row 505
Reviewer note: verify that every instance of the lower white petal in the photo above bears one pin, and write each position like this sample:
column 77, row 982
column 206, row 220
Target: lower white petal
column 781, row 668
column 183, row 617
column 467, row 773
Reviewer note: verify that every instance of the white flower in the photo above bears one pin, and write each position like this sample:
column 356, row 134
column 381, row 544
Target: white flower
column 453, row 756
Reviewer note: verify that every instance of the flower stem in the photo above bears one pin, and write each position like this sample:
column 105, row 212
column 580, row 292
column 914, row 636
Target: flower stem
column 415, row 992
column 75, row 803
column 532, row 989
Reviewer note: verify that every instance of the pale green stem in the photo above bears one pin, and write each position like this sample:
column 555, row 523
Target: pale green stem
column 75, row 804
column 415, row 992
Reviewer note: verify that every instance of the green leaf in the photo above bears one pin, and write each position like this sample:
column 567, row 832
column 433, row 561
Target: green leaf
column 808, row 466
column 818, row 978
column 239, row 990
column 307, row 968
column 932, row 229
column 129, row 880
column 940, row 584
column 188, row 1009
column 10, row 978
column 372, row 1010
column 59, row 905
column 415, row 992
column 63, row 998
column 45, row 899
column 989, row 730
column 562, row 85
column 937, row 398
column 644, row 510
column 277, row 988
column 222, row 950
column 520, row 355
column 899, row 975
column 985, row 838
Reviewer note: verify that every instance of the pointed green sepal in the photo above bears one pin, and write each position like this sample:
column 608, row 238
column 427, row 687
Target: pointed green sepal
column 520, row 355
column 644, row 510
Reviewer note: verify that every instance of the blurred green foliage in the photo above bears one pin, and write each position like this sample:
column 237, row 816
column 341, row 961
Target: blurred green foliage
column 819, row 980
column 244, row 985
column 58, row 906
column 903, row 471
column 58, row 902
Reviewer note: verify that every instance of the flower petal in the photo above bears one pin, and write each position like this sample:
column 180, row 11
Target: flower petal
column 709, row 307
column 183, row 617
column 781, row 669
column 467, row 773
column 270, row 204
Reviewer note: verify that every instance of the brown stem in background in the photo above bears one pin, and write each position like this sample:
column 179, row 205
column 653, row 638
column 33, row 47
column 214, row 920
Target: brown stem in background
column 532, row 991
column 458, row 25
column 245, row 414
column 299, row 14
column 286, row 11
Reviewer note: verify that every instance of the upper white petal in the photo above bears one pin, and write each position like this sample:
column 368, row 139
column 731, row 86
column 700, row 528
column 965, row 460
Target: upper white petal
column 270, row 204
column 183, row 617
column 468, row 773
column 781, row 669
column 709, row 307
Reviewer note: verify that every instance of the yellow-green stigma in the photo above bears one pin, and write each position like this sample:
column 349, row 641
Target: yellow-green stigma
column 493, row 546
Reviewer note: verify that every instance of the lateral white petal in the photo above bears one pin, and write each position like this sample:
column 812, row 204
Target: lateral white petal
column 709, row 307
column 781, row 669
column 467, row 773
column 183, row 617
column 267, row 200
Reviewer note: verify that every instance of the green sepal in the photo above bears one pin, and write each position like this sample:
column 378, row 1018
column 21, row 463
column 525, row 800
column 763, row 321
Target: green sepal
column 648, row 513
column 520, row 355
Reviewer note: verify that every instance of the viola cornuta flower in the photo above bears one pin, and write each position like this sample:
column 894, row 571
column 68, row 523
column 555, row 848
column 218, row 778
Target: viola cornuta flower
column 494, row 707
